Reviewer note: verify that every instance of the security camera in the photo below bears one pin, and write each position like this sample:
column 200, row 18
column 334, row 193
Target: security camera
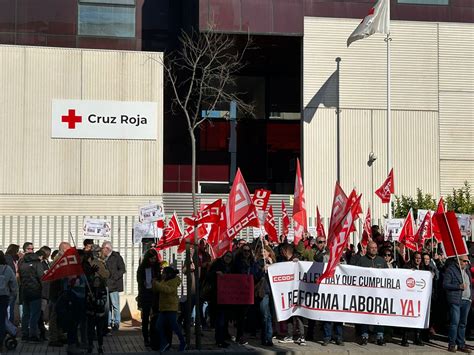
column 372, row 158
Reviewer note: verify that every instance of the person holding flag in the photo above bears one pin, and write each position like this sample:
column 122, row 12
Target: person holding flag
column 371, row 259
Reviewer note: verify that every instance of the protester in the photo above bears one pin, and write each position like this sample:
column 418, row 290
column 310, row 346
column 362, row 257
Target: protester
column 30, row 272
column 168, row 290
column 44, row 317
column 116, row 266
column 221, row 313
column 371, row 260
column 12, row 255
column 97, row 297
column 457, row 283
column 148, row 271
column 8, row 290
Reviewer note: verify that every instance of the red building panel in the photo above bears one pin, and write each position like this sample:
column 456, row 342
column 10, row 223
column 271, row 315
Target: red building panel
column 257, row 16
column 288, row 16
column 225, row 14
column 106, row 43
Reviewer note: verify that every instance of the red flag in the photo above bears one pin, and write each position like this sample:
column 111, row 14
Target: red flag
column 342, row 232
column 172, row 234
column 338, row 208
column 270, row 226
column 436, row 231
column 260, row 199
column 299, row 206
column 386, row 189
column 319, row 225
column 221, row 228
column 285, row 219
column 69, row 264
column 424, row 231
column 240, row 210
column 453, row 243
column 407, row 232
column 210, row 214
column 367, row 233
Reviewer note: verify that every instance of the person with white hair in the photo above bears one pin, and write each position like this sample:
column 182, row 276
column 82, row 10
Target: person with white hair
column 116, row 266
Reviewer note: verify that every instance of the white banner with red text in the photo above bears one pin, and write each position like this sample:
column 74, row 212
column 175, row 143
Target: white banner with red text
column 393, row 297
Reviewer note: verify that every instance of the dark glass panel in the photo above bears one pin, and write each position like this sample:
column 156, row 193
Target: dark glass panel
column 170, row 172
column 61, row 41
column 213, row 173
column 106, row 43
column 288, row 16
column 31, row 39
column 257, row 16
column 170, row 186
column 226, row 14
column 47, row 16
column 7, row 15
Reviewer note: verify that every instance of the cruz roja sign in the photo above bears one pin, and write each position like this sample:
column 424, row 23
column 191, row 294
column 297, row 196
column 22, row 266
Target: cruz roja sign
column 104, row 119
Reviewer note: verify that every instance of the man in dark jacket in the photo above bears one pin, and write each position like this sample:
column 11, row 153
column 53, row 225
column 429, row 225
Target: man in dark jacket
column 31, row 270
column 116, row 266
column 373, row 260
column 457, row 283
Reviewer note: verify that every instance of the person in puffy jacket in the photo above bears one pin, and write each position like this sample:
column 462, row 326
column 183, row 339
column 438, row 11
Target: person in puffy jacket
column 168, row 307
column 30, row 271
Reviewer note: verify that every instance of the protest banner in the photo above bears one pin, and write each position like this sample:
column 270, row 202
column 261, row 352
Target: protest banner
column 96, row 229
column 151, row 213
column 392, row 297
column 235, row 289
column 464, row 221
column 145, row 230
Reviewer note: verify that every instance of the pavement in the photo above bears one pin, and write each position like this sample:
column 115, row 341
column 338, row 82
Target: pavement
column 128, row 340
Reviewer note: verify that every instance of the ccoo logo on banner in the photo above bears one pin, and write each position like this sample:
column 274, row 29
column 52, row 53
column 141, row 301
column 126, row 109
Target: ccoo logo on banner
column 393, row 297
column 104, row 119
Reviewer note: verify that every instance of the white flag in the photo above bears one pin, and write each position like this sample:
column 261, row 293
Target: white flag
column 377, row 21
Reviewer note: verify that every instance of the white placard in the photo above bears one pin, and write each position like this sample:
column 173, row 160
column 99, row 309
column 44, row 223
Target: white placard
column 393, row 297
column 393, row 227
column 96, row 229
column 151, row 213
column 464, row 221
column 104, row 119
column 146, row 230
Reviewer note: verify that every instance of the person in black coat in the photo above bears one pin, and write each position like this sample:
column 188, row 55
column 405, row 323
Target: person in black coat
column 457, row 283
column 116, row 266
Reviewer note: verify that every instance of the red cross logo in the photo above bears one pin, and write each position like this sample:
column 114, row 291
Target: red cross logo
column 71, row 119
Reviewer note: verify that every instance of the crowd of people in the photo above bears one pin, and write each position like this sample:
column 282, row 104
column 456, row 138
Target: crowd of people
column 78, row 310
column 450, row 301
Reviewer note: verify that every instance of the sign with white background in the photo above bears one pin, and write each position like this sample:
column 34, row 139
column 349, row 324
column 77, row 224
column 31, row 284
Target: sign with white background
column 104, row 119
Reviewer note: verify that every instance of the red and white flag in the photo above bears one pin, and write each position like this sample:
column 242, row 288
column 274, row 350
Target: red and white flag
column 407, row 232
column 209, row 214
column 453, row 242
column 299, row 207
column 339, row 203
column 377, row 21
column 436, row 231
column 284, row 219
column 172, row 234
column 386, row 189
column 425, row 231
column 270, row 227
column 319, row 225
column 260, row 199
column 69, row 264
column 342, row 232
column 367, row 233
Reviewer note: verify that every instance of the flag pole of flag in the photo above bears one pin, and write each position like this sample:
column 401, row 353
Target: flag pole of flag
column 377, row 21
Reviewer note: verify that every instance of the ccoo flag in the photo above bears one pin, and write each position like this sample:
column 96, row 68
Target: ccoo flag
column 377, row 21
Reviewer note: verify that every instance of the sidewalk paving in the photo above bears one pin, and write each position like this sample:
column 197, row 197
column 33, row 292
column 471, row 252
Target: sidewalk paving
column 129, row 341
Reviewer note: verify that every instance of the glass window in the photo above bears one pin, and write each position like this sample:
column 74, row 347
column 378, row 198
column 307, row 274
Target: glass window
column 115, row 2
column 113, row 21
column 424, row 2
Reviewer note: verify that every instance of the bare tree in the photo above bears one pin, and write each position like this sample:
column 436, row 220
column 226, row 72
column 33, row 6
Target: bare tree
column 201, row 75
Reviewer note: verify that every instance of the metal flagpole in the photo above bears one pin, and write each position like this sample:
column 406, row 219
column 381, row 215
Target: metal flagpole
column 388, row 39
